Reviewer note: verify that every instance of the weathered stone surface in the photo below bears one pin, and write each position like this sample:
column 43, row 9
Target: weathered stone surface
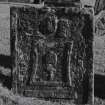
column 52, row 47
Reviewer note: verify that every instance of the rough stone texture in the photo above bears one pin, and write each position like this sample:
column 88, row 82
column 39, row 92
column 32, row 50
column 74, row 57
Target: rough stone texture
column 65, row 43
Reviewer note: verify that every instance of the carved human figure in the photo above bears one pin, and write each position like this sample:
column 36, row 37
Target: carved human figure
column 51, row 62
column 49, row 22
column 51, row 71
column 41, row 44
column 63, row 28
column 78, row 54
column 37, row 50
column 63, row 35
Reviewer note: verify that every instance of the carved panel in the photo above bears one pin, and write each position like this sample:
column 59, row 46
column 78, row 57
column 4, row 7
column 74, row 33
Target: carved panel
column 51, row 47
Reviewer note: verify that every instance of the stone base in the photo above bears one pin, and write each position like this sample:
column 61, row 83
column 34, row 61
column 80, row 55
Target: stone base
column 54, row 91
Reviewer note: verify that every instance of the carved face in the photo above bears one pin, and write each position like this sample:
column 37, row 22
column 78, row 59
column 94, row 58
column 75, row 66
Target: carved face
column 51, row 58
column 77, row 24
column 50, row 67
column 48, row 24
column 63, row 29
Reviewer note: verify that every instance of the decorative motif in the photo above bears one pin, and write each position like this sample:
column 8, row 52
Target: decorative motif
column 51, row 49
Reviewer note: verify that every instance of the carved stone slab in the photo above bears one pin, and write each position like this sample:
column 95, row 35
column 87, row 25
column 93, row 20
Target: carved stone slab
column 51, row 52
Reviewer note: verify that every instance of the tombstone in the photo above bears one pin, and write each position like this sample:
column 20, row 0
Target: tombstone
column 49, row 51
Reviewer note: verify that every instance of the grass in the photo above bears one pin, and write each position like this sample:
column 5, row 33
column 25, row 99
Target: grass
column 99, row 101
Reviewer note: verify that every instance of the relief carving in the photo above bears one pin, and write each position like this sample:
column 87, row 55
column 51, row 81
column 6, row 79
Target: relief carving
column 52, row 46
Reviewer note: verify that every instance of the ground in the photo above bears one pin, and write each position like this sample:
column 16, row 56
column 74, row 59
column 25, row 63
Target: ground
column 8, row 98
